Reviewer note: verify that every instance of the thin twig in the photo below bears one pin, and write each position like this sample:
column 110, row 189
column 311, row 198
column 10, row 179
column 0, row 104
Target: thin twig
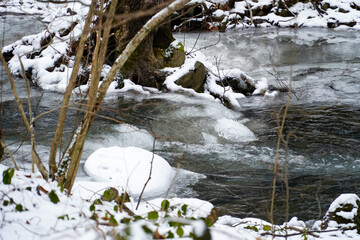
column 11, row 155
column 149, row 178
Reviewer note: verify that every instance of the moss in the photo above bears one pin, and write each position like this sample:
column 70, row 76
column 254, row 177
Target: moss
column 174, row 55
column 180, row 47
column 285, row 13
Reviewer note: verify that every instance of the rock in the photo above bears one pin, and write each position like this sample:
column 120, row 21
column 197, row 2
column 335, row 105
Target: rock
column 343, row 10
column 262, row 10
column 194, row 79
column 239, row 83
column 343, row 213
column 333, row 23
column 174, row 55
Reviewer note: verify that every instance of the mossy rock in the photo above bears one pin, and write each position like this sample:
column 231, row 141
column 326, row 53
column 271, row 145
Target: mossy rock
column 174, row 55
column 194, row 79
column 343, row 213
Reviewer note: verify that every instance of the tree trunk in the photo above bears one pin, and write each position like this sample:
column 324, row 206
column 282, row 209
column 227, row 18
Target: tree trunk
column 143, row 66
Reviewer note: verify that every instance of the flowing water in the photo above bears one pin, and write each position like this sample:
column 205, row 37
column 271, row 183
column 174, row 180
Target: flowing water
column 229, row 165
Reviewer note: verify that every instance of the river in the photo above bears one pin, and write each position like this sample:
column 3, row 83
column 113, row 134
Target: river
column 233, row 172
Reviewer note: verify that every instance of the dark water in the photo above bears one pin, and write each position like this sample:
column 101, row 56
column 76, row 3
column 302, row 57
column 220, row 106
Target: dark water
column 323, row 124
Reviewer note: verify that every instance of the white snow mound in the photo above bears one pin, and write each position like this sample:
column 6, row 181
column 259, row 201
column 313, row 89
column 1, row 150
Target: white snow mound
column 129, row 168
column 234, row 131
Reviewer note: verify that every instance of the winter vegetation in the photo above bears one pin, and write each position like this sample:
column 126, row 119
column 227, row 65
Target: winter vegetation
column 91, row 51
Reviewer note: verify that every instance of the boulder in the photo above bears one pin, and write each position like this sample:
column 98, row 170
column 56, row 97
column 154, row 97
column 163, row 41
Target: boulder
column 343, row 213
column 174, row 55
column 238, row 81
column 195, row 78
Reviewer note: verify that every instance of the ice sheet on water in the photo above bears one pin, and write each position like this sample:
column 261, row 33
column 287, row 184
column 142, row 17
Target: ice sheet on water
column 123, row 135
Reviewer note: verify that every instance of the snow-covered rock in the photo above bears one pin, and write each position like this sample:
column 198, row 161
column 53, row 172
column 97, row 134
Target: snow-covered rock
column 129, row 168
column 343, row 213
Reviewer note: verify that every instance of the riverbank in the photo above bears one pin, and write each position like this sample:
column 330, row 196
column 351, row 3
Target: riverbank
column 219, row 15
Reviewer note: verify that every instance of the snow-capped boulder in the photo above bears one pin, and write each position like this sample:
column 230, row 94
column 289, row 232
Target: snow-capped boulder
column 343, row 213
column 129, row 168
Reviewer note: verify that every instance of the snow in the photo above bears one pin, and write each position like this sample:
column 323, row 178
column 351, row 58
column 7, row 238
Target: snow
column 72, row 216
column 348, row 198
column 129, row 168
column 234, row 131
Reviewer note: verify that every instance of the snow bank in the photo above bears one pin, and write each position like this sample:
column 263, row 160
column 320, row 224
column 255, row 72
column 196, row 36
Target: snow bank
column 325, row 13
column 129, row 168
column 30, row 210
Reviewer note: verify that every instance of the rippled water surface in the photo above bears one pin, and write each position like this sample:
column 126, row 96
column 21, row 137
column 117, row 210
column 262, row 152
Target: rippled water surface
column 322, row 126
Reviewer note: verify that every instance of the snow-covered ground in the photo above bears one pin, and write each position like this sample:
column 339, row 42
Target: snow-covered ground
column 32, row 208
column 330, row 13
column 35, row 209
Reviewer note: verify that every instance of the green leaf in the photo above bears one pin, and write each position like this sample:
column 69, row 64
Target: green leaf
column 28, row 188
column 180, row 231
column 267, row 228
column 112, row 220
column 19, row 208
column 208, row 222
column 304, row 235
column 116, row 208
column 184, row 209
column 7, row 175
column 64, row 217
column 154, row 215
column 146, row 229
column 92, row 207
column 109, row 194
column 61, row 185
column 53, row 197
column 98, row 202
column 137, row 217
column 125, row 220
column 165, row 204
column 252, row 228
column 170, row 235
